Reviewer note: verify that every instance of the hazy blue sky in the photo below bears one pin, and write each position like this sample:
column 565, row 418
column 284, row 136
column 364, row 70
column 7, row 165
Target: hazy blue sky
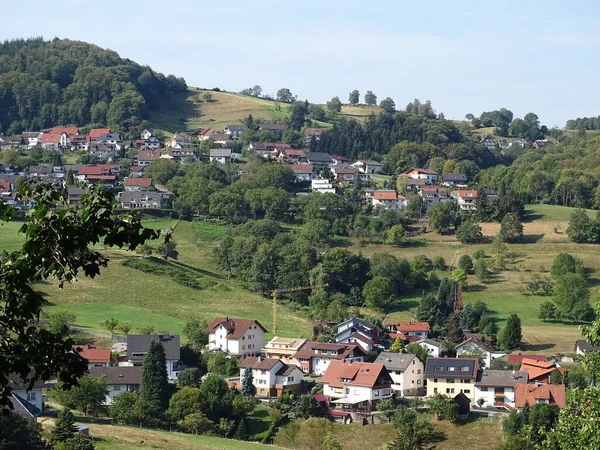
column 465, row 56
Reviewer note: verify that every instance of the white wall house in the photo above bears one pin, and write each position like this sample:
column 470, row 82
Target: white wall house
column 407, row 372
column 236, row 336
column 368, row 167
column 33, row 395
column 315, row 357
column 474, row 346
column 419, row 329
column 272, row 376
column 496, row 388
column 119, row 379
column 322, row 185
column 428, row 175
column 467, row 199
column 432, row 347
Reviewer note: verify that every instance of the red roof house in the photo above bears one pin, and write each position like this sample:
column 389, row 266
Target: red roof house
column 97, row 357
column 540, row 393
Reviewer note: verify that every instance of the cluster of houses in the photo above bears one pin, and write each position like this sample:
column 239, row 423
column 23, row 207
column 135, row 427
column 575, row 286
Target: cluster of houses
column 351, row 385
column 492, row 144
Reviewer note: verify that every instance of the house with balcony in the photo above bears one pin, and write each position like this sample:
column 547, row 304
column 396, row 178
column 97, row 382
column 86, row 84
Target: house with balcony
column 466, row 199
column 451, row 376
column 358, row 331
column 315, row 357
column 272, row 377
column 345, row 175
column 138, row 345
column 357, row 385
column 407, row 372
column 497, row 387
column 387, row 199
column 302, row 172
column 458, row 180
column 322, row 186
column 284, row 349
column 244, row 337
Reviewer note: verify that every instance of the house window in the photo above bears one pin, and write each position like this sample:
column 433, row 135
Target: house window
column 467, row 391
column 435, row 391
column 290, row 379
column 263, row 372
column 451, row 369
column 31, row 396
column 464, row 369
column 116, row 388
column 413, row 362
column 449, row 390
column 483, row 389
column 418, row 371
column 450, row 380
column 347, row 391
column 376, row 393
column 418, row 381
column 435, row 380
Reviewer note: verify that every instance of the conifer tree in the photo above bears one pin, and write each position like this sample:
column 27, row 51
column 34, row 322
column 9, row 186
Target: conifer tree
column 154, row 392
column 248, row 388
column 396, row 346
column 63, row 427
column 511, row 335
column 241, row 433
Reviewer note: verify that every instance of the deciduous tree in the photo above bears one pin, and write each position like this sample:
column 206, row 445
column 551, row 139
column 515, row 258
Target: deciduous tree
column 354, row 97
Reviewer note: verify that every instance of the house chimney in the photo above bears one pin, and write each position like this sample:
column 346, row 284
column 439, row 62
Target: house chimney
column 514, row 374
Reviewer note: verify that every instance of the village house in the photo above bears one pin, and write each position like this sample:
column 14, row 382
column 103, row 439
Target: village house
column 518, row 142
column 407, row 372
column 182, row 155
column 181, row 140
column 235, row 130
column 8, row 194
column 541, row 143
column 488, row 142
column 137, row 171
column 432, row 346
column 358, row 385
column 138, row 345
column 582, row 346
column 451, row 376
column 345, row 176
column 503, row 144
column 146, row 157
column 141, row 199
column 118, row 379
column 357, row 331
column 271, row 376
column 64, row 134
column 220, row 155
column 23, row 408
column 146, row 134
column 310, row 133
column 517, row 358
column 317, row 159
column 272, row 127
column 538, row 370
column 80, row 143
column 302, row 172
column 32, row 138
column 220, row 138
column 203, row 135
column 7, row 142
column 244, row 337
column 430, row 176
column 467, row 200
column 458, row 180
column 96, row 133
column 434, row 194
column 152, row 143
column 21, row 389
column 322, row 186
column 74, row 195
column 290, row 155
column 315, row 357
column 101, row 169
column 532, row 394
column 137, row 184
column 50, row 141
column 340, row 160
column 103, row 151
column 110, row 138
column 387, row 199
column 368, row 167
column 474, row 345
column 496, row 388
column 96, row 357
column 419, row 329
column 284, row 349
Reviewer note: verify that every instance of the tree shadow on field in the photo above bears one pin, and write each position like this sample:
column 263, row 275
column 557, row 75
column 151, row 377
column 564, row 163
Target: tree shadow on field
column 537, row 347
column 532, row 238
column 592, row 282
column 475, row 288
column 531, row 217
column 196, row 269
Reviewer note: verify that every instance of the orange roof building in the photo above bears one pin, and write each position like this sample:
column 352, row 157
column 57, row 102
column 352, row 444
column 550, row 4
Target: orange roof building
column 97, row 357
column 544, row 393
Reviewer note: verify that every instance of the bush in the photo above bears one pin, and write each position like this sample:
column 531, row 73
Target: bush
column 465, row 262
column 469, row 232
column 479, row 254
column 439, row 263
column 182, row 276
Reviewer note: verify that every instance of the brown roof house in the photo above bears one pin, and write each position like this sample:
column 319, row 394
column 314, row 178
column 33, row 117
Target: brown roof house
column 138, row 183
column 118, row 379
column 271, row 376
column 357, row 384
column 244, row 337
column 96, row 357
column 540, row 393
column 315, row 357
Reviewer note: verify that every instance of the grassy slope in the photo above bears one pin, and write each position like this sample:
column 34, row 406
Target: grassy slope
column 146, row 299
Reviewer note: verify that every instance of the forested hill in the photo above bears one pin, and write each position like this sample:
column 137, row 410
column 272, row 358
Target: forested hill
column 60, row 82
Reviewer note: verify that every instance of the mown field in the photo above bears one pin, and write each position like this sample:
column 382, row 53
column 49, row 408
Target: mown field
column 158, row 300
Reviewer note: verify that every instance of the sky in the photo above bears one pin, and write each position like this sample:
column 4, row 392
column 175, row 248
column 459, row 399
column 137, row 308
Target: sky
column 464, row 56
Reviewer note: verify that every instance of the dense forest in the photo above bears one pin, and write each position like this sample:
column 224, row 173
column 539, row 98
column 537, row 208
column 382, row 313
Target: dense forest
column 60, row 82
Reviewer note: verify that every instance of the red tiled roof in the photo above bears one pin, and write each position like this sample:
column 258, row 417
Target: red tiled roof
column 206, row 132
column 102, row 169
column 394, row 336
column 139, row 182
column 423, row 171
column 235, row 327
column 101, row 177
column 529, row 393
column 516, row 359
column 69, row 131
column 339, row 158
column 385, row 195
column 467, row 193
column 95, row 133
column 4, row 186
column 302, row 168
column 93, row 354
column 48, row 138
column 405, row 327
column 359, row 374
column 536, row 368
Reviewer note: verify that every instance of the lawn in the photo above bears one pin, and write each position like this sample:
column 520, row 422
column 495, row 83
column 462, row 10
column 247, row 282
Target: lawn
column 10, row 238
column 186, row 111
column 360, row 113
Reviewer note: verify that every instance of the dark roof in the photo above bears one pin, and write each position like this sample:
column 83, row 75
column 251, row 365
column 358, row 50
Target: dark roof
column 236, row 127
column 364, row 323
column 395, row 361
column 286, row 370
column 118, row 375
column 318, row 157
column 220, row 153
column 454, row 177
column 272, row 126
column 507, row 378
column 478, row 342
column 584, row 346
column 22, row 407
column 220, row 137
column 17, row 384
column 341, row 351
column 140, row 343
column 451, row 368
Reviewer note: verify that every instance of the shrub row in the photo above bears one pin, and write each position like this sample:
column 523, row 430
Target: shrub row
column 182, row 276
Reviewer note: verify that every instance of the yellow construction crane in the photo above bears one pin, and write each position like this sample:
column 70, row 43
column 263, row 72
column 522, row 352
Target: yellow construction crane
column 276, row 292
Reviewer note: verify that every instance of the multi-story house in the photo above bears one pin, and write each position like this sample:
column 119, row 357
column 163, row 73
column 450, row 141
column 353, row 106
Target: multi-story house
column 21, row 389
column 496, row 388
column 458, row 180
column 96, row 357
column 315, row 357
column 433, row 347
column 284, row 349
column 235, row 130
column 345, row 175
column 220, row 155
column 533, row 394
column 451, row 376
column 358, row 331
column 407, row 372
column 357, row 384
column 137, row 183
column 146, row 157
column 467, row 199
column 386, row 199
column 488, row 142
column 430, row 176
column 367, row 166
column 139, row 344
column 244, row 337
column 118, row 379
column 271, row 376
column 474, row 345
column 419, row 329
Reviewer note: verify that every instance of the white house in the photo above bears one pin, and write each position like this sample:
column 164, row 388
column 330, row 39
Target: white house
column 432, row 347
column 345, row 175
column 582, row 346
column 407, row 372
column 236, row 336
column 302, row 172
column 220, row 155
column 33, row 395
column 359, row 384
column 488, row 142
column 146, row 134
column 272, row 376
column 467, row 199
column 322, row 185
column 357, row 331
column 496, row 388
column 419, row 329
column 430, row 176
column 315, row 357
column 96, row 357
column 138, row 345
column 367, row 166
column 387, row 199
column 235, row 130
column 118, row 379
column 32, row 138
column 475, row 346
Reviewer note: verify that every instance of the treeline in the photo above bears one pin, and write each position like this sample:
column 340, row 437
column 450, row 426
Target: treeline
column 563, row 174
column 584, row 123
column 60, row 82
column 528, row 127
